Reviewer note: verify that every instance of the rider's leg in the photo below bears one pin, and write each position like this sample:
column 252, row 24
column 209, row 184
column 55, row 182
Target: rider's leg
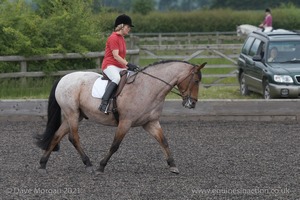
column 104, row 103
column 113, row 73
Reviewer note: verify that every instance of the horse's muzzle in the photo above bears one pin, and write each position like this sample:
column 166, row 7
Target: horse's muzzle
column 189, row 102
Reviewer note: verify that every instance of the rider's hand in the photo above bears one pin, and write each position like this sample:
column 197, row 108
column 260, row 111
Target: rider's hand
column 132, row 67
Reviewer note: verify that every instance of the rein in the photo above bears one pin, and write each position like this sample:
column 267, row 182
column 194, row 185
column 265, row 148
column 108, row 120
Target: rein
column 172, row 86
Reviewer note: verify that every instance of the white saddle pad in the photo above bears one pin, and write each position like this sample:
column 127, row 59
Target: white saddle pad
column 99, row 87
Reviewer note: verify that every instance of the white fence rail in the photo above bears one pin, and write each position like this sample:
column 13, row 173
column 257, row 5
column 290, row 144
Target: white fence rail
column 153, row 46
column 24, row 62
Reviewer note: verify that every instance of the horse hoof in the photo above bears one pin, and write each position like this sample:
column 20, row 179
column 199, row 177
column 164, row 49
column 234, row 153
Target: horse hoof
column 99, row 172
column 174, row 170
column 90, row 169
column 42, row 171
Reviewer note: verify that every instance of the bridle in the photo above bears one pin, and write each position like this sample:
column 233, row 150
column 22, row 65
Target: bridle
column 178, row 92
column 192, row 81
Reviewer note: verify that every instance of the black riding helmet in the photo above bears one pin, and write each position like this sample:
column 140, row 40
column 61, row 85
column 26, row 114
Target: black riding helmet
column 123, row 19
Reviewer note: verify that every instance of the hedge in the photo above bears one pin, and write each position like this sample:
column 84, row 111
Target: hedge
column 75, row 28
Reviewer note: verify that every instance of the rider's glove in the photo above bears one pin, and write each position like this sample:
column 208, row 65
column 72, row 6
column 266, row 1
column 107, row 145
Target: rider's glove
column 132, row 67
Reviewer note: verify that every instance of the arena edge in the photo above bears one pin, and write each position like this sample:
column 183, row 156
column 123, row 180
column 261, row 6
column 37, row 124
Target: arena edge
column 208, row 109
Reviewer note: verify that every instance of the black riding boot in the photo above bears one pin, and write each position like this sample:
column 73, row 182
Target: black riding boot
column 108, row 92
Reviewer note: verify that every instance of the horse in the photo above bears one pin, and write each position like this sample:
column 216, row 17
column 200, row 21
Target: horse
column 246, row 29
column 140, row 103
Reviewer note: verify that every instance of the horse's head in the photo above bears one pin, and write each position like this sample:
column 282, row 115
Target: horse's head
column 245, row 29
column 239, row 31
column 189, row 86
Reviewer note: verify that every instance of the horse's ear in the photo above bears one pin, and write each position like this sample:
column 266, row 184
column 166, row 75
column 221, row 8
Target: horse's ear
column 201, row 66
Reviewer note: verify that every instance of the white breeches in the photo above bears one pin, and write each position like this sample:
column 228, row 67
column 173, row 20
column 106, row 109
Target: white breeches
column 113, row 73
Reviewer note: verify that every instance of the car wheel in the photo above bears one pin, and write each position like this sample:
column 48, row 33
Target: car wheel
column 243, row 86
column 266, row 88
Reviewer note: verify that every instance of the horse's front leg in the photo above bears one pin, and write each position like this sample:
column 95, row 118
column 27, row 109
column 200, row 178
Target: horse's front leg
column 122, row 129
column 156, row 131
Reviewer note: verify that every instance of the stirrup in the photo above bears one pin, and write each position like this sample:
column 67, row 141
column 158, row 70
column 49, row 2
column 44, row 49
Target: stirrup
column 104, row 107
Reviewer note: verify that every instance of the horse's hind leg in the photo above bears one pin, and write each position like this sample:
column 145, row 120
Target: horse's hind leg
column 60, row 133
column 74, row 139
column 156, row 131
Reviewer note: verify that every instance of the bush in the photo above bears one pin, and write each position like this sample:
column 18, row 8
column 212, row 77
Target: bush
column 71, row 26
column 61, row 27
column 212, row 20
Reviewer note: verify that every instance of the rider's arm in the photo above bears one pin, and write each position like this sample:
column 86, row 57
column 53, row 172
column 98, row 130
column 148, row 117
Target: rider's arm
column 118, row 57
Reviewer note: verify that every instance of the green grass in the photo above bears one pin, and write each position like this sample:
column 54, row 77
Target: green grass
column 30, row 88
column 224, row 92
column 39, row 88
column 219, row 92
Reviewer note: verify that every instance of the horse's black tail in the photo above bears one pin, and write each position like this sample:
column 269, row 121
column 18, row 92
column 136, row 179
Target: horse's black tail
column 53, row 123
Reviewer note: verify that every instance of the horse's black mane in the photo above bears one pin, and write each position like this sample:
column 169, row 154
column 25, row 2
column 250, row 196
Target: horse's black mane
column 166, row 61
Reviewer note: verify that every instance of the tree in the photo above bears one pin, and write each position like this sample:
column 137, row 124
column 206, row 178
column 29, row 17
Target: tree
column 164, row 5
column 143, row 6
column 19, row 29
column 66, row 27
column 56, row 26
column 250, row 4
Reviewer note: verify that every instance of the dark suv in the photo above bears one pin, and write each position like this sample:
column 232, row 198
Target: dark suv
column 269, row 64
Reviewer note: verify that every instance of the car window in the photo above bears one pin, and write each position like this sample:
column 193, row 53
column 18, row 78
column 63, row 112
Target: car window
column 256, row 46
column 287, row 50
column 262, row 49
column 247, row 45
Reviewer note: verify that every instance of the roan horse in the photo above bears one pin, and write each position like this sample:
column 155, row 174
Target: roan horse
column 140, row 103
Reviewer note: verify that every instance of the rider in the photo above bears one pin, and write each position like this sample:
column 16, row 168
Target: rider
column 268, row 19
column 114, row 59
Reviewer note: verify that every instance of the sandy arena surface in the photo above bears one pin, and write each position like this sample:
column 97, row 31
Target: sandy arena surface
column 216, row 159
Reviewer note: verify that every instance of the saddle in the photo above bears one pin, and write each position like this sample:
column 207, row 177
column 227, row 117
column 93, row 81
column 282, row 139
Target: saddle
column 116, row 93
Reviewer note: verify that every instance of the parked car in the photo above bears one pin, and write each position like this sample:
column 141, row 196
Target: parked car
column 269, row 64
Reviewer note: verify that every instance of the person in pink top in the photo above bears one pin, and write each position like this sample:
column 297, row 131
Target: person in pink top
column 115, row 58
column 268, row 19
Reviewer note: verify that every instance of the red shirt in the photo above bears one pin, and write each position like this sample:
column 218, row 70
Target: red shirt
column 114, row 42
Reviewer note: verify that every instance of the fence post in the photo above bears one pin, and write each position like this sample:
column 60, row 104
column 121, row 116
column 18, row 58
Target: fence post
column 159, row 39
column 218, row 39
column 131, row 41
column 23, row 69
column 135, row 59
column 98, row 63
